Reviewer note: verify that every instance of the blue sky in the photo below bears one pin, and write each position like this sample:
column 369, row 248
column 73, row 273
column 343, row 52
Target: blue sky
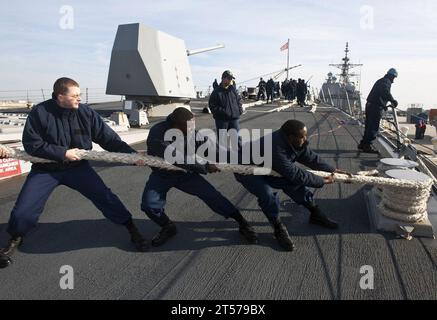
column 35, row 50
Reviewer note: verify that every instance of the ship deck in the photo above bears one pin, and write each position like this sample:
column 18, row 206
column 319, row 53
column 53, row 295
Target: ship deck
column 208, row 259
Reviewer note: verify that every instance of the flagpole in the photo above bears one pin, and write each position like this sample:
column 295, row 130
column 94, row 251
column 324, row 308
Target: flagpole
column 288, row 56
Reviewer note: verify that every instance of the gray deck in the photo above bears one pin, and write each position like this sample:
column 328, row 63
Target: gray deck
column 208, row 259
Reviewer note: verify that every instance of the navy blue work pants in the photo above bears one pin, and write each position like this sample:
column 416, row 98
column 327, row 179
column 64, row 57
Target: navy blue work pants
column 261, row 188
column 373, row 118
column 156, row 189
column 39, row 185
column 227, row 125
column 269, row 96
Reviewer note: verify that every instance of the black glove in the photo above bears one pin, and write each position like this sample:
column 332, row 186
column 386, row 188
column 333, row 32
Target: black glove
column 394, row 103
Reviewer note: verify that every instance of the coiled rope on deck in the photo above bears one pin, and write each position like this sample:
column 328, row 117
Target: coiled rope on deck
column 402, row 200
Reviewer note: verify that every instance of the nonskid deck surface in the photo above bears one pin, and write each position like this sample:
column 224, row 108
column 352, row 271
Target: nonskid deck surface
column 208, row 259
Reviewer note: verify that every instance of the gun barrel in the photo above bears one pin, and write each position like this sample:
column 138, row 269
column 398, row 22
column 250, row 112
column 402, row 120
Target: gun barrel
column 196, row 51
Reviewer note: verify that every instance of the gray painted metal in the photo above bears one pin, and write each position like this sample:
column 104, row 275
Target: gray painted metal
column 343, row 93
column 407, row 175
column 148, row 64
column 394, row 162
column 191, row 52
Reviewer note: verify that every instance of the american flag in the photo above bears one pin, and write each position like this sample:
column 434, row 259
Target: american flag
column 284, row 47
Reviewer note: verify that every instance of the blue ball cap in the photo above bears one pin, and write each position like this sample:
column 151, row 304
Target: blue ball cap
column 392, row 72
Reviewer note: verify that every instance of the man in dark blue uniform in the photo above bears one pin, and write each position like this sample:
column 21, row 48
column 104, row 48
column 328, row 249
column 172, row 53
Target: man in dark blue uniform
column 225, row 103
column 377, row 101
column 293, row 90
column 285, row 88
column 215, row 84
column 161, row 181
column 226, row 106
column 261, row 89
column 301, row 91
column 55, row 130
column 270, row 87
column 290, row 145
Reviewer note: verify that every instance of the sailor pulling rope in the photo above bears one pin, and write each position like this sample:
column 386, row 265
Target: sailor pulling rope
column 402, row 200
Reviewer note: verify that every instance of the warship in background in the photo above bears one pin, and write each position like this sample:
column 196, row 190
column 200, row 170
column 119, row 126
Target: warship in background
column 343, row 93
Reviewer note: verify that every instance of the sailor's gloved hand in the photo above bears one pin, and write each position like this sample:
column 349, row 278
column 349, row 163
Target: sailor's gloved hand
column 71, row 155
column 212, row 168
column 329, row 179
column 140, row 163
column 394, row 103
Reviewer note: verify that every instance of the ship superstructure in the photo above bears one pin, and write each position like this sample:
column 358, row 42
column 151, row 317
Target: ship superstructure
column 342, row 92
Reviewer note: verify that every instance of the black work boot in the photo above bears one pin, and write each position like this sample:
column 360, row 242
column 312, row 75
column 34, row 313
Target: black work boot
column 248, row 233
column 5, row 261
column 6, row 252
column 320, row 218
column 137, row 239
column 370, row 149
column 281, row 234
column 13, row 244
column 367, row 148
column 244, row 228
column 167, row 231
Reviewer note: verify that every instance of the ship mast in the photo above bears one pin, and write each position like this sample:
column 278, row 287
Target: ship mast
column 345, row 67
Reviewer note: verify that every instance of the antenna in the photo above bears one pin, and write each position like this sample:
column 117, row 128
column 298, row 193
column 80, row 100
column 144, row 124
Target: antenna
column 346, row 66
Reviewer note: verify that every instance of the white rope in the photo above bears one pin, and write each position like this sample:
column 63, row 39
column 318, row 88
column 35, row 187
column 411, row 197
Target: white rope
column 403, row 200
column 111, row 157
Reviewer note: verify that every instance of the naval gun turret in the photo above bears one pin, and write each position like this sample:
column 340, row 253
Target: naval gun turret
column 151, row 69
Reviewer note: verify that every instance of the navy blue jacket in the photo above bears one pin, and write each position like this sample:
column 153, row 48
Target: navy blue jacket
column 270, row 86
column 284, row 158
column 156, row 146
column 51, row 130
column 380, row 93
column 225, row 104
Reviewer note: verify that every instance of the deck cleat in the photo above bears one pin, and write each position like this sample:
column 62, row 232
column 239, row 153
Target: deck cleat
column 408, row 231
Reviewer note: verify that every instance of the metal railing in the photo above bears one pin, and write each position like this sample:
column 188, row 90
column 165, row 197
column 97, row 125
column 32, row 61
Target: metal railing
column 33, row 96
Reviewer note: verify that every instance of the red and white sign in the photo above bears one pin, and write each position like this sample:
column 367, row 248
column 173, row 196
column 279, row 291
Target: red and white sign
column 9, row 168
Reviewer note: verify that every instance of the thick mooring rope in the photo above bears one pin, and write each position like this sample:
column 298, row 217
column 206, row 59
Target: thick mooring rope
column 402, row 200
